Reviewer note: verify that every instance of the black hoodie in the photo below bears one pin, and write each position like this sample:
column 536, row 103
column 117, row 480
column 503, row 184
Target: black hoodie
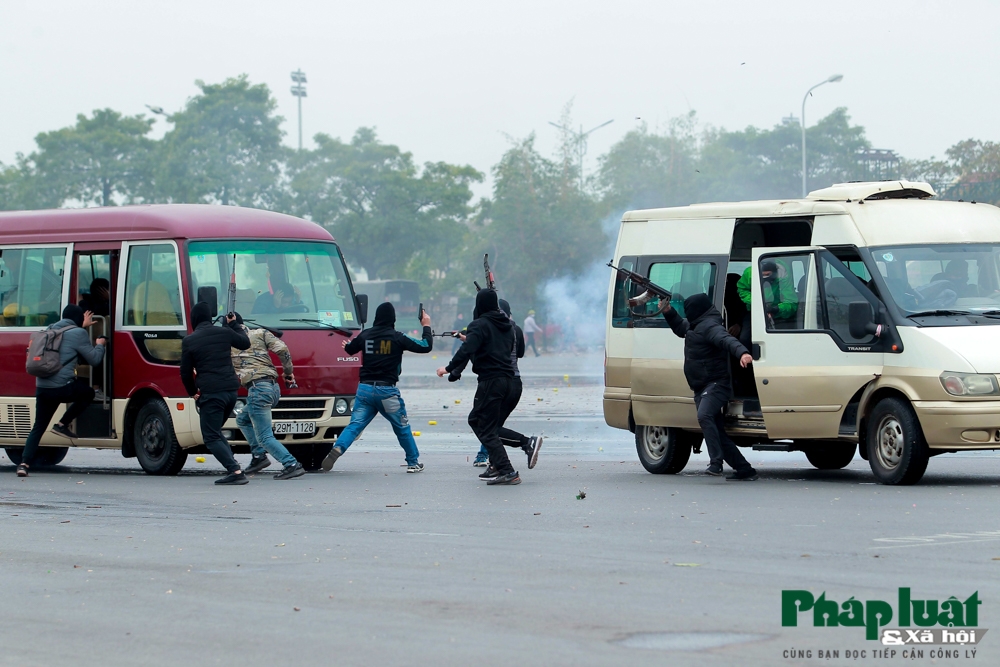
column 707, row 344
column 489, row 342
column 207, row 352
column 383, row 346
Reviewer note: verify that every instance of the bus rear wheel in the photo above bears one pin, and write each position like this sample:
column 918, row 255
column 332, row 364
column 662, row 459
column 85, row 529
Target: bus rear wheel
column 46, row 456
column 831, row 457
column 310, row 455
column 897, row 450
column 663, row 450
column 155, row 444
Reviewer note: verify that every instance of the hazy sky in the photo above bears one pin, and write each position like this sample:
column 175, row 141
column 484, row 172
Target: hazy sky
column 448, row 80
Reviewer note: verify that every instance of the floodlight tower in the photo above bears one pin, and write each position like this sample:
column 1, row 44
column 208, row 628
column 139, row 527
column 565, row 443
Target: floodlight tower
column 299, row 90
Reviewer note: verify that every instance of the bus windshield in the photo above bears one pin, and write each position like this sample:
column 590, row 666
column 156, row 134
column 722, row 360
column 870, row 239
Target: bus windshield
column 279, row 284
column 944, row 279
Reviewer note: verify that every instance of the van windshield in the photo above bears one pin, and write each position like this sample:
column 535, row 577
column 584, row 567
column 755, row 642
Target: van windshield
column 279, row 284
column 942, row 280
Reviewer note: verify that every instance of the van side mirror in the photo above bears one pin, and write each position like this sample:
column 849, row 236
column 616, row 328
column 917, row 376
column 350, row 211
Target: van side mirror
column 861, row 320
column 209, row 295
column 361, row 301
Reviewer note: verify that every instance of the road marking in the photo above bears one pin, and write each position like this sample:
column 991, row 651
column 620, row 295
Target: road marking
column 937, row 540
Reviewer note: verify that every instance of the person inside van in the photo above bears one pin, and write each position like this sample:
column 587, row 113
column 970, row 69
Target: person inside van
column 707, row 348
column 781, row 301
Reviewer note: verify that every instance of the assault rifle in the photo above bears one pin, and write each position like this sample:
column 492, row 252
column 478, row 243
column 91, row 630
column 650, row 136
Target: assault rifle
column 650, row 290
column 231, row 298
column 490, row 281
column 448, row 334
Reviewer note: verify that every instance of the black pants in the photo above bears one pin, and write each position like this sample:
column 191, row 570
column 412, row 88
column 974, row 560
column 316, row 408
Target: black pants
column 710, row 401
column 487, row 417
column 215, row 410
column 529, row 341
column 508, row 436
column 47, row 401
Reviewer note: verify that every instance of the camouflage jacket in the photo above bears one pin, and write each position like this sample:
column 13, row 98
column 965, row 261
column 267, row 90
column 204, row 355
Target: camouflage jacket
column 255, row 363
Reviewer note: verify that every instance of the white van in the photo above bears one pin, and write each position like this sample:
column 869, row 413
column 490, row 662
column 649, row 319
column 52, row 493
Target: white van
column 878, row 333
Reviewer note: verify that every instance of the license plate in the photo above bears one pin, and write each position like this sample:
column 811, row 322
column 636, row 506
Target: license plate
column 294, row 427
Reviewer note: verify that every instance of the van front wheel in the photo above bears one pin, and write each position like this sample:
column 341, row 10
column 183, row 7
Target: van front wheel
column 897, row 451
column 662, row 450
column 831, row 457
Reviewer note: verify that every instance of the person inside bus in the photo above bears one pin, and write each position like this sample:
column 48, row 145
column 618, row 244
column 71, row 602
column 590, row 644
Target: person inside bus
column 283, row 299
column 99, row 300
column 63, row 387
column 707, row 348
column 207, row 352
column 382, row 350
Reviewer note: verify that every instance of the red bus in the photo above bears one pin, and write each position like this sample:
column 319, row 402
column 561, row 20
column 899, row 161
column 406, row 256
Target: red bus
column 158, row 261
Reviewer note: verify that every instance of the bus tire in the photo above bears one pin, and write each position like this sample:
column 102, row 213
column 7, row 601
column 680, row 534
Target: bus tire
column 155, row 443
column 897, row 450
column 50, row 456
column 14, row 454
column 831, row 457
column 310, row 455
column 662, row 450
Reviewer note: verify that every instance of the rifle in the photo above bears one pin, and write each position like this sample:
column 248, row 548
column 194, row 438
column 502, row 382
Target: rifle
column 231, row 299
column 490, row 281
column 448, row 334
column 650, row 290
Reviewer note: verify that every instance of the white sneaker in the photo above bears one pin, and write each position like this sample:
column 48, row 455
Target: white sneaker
column 416, row 467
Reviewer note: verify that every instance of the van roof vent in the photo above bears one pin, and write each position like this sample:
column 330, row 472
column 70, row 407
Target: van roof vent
column 873, row 190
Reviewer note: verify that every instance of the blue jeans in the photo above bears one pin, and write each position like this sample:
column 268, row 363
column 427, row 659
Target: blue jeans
column 386, row 401
column 255, row 422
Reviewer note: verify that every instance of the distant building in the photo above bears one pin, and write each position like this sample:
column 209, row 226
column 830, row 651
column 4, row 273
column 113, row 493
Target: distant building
column 878, row 164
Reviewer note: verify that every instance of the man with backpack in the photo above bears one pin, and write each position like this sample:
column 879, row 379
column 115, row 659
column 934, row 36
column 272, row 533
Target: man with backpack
column 52, row 358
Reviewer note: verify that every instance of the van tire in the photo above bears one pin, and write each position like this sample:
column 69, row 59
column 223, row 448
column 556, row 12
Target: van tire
column 156, row 445
column 897, row 450
column 831, row 457
column 310, row 455
column 662, row 450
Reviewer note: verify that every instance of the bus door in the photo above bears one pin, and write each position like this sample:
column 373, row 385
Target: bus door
column 95, row 274
column 808, row 367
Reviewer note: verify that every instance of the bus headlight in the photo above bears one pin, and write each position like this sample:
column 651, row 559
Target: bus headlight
column 340, row 406
column 239, row 407
column 969, row 384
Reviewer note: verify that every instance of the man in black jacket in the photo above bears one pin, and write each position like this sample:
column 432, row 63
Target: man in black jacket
column 489, row 343
column 208, row 353
column 707, row 346
column 382, row 350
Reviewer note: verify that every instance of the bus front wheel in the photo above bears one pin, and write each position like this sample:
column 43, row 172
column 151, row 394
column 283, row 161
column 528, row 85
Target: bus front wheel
column 663, row 450
column 897, row 450
column 155, row 444
column 310, row 455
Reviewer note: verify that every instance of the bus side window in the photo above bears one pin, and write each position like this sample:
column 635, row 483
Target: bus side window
column 152, row 298
column 31, row 286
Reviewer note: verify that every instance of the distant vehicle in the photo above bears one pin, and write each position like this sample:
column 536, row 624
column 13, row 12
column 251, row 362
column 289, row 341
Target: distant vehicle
column 404, row 295
column 159, row 261
column 878, row 331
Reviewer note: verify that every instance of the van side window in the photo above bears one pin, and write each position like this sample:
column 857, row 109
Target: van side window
column 787, row 287
column 839, row 293
column 681, row 279
column 31, row 286
column 620, row 316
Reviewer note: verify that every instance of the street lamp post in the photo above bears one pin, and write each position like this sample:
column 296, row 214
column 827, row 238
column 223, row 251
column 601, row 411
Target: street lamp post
column 581, row 141
column 833, row 79
column 299, row 90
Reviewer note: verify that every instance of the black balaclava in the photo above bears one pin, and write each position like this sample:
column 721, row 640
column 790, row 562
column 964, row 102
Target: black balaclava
column 75, row 313
column 200, row 312
column 486, row 301
column 239, row 319
column 696, row 305
column 385, row 315
column 505, row 307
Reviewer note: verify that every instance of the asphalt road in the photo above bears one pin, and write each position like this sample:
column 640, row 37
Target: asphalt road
column 103, row 565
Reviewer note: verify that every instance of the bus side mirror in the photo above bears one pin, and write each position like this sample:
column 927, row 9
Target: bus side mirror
column 361, row 300
column 209, row 295
column 861, row 320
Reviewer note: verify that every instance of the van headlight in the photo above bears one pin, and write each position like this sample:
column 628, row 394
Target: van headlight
column 969, row 384
column 340, row 406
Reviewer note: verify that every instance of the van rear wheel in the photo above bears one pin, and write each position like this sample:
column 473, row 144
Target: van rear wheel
column 897, row 450
column 155, row 443
column 831, row 457
column 663, row 450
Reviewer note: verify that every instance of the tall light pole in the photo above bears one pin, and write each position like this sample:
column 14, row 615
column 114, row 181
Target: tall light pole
column 580, row 138
column 833, row 79
column 299, row 90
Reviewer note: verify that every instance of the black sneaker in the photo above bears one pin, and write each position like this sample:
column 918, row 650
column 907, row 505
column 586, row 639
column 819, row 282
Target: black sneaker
column 331, row 458
column 235, row 478
column 714, row 471
column 291, row 472
column 748, row 475
column 22, row 469
column 60, row 429
column 532, row 451
column 489, row 473
column 416, row 467
column 256, row 465
column 510, row 478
